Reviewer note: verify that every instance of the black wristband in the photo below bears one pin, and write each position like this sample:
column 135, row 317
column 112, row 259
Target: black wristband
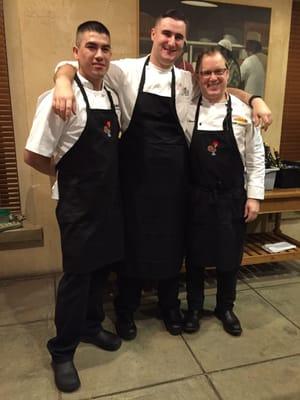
column 254, row 96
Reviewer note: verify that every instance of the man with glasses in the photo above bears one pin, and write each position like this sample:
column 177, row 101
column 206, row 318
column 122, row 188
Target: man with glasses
column 227, row 172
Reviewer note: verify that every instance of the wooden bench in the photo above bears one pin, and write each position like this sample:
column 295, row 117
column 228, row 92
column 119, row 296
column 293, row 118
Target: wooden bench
column 276, row 201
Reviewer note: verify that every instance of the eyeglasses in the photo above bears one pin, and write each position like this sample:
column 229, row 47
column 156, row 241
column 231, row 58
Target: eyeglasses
column 217, row 72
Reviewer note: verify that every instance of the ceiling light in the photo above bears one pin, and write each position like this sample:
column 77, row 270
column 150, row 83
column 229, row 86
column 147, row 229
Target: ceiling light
column 198, row 3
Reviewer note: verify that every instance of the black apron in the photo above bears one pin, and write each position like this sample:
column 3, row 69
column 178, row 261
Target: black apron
column 89, row 207
column 153, row 173
column 216, row 220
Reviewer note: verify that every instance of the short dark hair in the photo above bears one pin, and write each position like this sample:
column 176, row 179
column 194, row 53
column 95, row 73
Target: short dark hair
column 174, row 14
column 91, row 26
column 254, row 46
column 208, row 51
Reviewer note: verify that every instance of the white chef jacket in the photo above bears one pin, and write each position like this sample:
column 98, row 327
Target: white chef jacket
column 51, row 136
column 124, row 77
column 253, row 73
column 248, row 138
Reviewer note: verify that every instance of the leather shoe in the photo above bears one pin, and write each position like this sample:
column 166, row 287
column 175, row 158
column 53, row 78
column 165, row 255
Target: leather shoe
column 230, row 321
column 192, row 321
column 126, row 327
column 104, row 339
column 173, row 321
column 66, row 376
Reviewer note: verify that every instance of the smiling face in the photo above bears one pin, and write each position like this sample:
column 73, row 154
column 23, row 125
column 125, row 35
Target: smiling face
column 213, row 77
column 168, row 37
column 93, row 52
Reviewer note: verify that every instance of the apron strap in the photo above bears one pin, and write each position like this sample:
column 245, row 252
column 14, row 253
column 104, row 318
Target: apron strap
column 173, row 90
column 110, row 100
column 227, row 124
column 173, row 94
column 197, row 113
column 78, row 81
column 143, row 78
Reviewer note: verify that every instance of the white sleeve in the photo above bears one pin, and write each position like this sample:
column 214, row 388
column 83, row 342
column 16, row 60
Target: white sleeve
column 47, row 128
column 244, row 70
column 115, row 77
column 255, row 163
column 61, row 63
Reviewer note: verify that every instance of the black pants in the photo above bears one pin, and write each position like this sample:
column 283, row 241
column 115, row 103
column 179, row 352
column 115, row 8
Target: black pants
column 130, row 291
column 79, row 311
column 226, row 288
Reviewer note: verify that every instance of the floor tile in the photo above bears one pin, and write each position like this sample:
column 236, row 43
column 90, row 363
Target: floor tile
column 274, row 380
column 286, row 299
column 153, row 357
column 25, row 364
column 272, row 274
column 157, row 365
column 266, row 335
column 290, row 227
column 26, row 300
column 188, row 389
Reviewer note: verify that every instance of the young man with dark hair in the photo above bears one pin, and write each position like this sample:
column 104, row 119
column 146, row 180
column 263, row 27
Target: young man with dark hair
column 82, row 153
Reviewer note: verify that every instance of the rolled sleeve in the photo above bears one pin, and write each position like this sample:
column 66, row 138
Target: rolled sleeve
column 46, row 129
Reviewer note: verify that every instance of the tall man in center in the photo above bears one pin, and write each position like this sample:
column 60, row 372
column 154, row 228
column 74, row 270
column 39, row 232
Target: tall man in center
column 154, row 99
column 153, row 173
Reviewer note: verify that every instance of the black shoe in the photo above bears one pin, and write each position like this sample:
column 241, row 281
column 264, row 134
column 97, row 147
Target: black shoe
column 104, row 339
column 192, row 321
column 173, row 321
column 66, row 376
column 126, row 327
column 230, row 321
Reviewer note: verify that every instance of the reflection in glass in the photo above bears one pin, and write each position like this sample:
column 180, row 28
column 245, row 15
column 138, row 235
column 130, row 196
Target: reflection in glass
column 243, row 29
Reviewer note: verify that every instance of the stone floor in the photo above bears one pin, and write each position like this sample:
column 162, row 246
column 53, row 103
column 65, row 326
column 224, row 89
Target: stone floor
column 262, row 364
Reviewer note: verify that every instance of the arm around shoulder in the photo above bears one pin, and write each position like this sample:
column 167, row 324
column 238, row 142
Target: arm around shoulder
column 261, row 114
column 240, row 94
column 64, row 103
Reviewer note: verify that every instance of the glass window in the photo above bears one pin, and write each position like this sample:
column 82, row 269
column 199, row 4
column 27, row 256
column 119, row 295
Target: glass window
column 242, row 30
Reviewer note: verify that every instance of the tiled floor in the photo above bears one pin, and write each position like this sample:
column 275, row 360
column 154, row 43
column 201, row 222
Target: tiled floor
column 262, row 364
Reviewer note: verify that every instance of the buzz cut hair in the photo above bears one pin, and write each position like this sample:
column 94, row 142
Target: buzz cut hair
column 90, row 26
column 174, row 14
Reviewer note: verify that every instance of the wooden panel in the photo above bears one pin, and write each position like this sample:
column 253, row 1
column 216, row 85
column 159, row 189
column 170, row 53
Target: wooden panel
column 280, row 200
column 9, row 186
column 27, row 237
column 290, row 137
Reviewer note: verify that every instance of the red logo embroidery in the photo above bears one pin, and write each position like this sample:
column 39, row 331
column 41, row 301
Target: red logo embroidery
column 212, row 148
column 107, row 128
